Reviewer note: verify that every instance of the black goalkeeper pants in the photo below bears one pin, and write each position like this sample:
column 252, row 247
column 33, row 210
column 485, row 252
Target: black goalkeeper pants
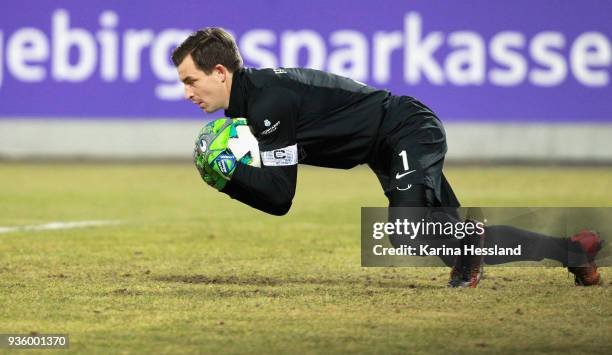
column 534, row 246
column 408, row 163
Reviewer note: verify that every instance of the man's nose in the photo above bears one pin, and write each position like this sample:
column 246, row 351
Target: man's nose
column 188, row 93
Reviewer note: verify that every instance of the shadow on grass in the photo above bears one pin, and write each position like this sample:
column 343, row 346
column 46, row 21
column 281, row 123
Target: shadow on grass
column 257, row 280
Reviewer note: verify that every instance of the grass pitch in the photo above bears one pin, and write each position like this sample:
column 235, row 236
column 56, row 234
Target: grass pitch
column 190, row 271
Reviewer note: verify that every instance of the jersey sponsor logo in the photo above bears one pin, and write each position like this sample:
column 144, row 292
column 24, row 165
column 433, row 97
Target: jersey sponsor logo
column 279, row 71
column 267, row 123
column 271, row 129
column 404, row 189
column 280, row 157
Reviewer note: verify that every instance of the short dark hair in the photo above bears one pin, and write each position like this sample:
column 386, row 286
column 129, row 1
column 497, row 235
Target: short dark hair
column 208, row 47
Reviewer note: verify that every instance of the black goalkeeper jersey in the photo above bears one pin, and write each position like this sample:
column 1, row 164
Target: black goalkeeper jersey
column 332, row 119
column 304, row 115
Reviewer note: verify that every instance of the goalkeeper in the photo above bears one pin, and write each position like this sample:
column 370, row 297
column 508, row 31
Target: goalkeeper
column 316, row 118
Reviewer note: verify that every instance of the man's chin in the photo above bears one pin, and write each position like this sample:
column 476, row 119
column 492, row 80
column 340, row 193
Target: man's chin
column 209, row 110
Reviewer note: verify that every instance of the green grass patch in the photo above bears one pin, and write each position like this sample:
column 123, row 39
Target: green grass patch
column 189, row 270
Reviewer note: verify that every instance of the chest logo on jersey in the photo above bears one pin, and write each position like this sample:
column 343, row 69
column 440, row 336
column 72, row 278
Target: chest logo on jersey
column 271, row 129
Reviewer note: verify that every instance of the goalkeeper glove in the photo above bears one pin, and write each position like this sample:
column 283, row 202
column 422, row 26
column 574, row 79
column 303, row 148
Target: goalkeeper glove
column 210, row 177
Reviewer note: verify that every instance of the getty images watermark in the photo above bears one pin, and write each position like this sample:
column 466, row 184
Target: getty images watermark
column 419, row 236
column 405, row 228
column 34, row 341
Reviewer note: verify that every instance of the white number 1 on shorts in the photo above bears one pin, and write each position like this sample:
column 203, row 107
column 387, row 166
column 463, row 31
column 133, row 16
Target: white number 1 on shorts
column 404, row 156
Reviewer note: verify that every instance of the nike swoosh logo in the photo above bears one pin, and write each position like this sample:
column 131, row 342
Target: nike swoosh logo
column 399, row 176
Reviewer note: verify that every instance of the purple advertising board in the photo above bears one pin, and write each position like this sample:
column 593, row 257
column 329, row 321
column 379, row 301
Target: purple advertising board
column 477, row 60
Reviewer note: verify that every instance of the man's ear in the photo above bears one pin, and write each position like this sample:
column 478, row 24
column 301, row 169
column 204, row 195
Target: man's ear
column 221, row 72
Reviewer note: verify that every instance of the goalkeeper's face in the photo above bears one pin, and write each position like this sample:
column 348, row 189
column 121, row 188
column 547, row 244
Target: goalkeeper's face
column 211, row 92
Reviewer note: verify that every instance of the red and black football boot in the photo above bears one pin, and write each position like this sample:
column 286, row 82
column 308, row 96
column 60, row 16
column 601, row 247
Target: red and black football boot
column 468, row 270
column 456, row 274
column 590, row 243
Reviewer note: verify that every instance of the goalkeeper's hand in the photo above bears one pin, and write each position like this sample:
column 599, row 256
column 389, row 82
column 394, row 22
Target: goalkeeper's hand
column 210, row 177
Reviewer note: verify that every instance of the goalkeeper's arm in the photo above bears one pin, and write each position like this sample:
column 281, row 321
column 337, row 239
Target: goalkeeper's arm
column 269, row 189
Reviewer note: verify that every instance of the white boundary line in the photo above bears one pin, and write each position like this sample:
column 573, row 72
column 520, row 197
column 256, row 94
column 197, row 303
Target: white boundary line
column 57, row 225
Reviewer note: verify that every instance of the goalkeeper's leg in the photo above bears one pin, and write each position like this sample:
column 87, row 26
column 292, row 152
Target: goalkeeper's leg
column 572, row 252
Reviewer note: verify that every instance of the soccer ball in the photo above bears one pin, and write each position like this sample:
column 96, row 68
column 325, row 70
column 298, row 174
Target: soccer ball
column 244, row 144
